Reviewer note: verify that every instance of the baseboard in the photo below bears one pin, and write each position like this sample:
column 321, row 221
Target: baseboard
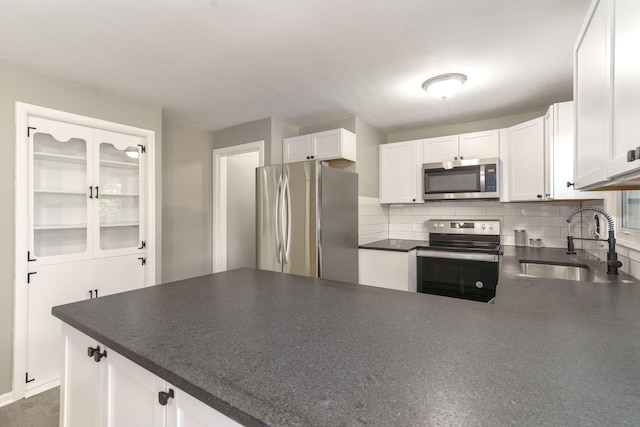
column 6, row 399
column 43, row 387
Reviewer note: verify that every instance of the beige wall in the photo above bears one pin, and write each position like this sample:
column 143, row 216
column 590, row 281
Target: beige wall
column 367, row 140
column 455, row 129
column 259, row 130
column 187, row 170
column 20, row 84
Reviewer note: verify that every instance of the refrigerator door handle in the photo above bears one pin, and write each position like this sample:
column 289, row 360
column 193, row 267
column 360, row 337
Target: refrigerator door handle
column 287, row 199
column 278, row 221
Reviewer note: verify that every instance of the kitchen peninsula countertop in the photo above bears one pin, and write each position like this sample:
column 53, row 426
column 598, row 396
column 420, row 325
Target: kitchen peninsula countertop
column 268, row 348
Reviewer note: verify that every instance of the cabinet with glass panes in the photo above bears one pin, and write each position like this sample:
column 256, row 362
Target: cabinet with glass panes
column 86, row 193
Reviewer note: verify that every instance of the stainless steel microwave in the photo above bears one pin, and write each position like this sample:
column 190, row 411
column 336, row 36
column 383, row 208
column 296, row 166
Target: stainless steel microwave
column 461, row 179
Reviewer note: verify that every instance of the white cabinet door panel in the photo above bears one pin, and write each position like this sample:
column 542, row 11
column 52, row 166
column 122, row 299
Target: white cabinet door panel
column 132, row 395
column 327, row 145
column 526, row 161
column 440, row 149
column 399, row 172
column 80, row 391
column 591, row 97
column 479, row 145
column 626, row 87
column 187, row 411
column 297, row 149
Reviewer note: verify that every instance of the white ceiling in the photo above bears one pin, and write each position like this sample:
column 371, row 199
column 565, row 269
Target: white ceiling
column 218, row 63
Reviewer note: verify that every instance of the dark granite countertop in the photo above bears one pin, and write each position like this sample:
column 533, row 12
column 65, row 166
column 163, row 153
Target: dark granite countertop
column 399, row 245
column 273, row 349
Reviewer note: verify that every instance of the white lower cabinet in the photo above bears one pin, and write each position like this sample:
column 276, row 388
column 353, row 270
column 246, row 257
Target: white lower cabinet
column 102, row 388
column 388, row 269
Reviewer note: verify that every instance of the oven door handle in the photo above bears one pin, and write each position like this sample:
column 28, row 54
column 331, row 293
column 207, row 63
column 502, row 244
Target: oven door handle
column 458, row 255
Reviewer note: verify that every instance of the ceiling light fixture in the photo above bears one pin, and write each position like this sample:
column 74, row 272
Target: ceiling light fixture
column 444, row 86
column 132, row 152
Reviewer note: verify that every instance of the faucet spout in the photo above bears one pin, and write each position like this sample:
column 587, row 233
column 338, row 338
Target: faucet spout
column 612, row 258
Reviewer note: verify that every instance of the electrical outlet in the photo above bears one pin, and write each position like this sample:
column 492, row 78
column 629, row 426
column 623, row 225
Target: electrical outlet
column 411, row 226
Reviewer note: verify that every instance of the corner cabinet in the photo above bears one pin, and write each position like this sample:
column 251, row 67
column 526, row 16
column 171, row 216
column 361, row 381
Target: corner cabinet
column 400, row 172
column 336, row 144
column 85, row 230
column 101, row 387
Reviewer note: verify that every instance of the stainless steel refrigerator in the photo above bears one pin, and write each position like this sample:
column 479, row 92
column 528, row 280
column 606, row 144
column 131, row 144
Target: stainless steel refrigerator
column 307, row 220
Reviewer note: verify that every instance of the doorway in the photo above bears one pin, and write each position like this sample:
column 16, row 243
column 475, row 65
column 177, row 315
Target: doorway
column 234, row 205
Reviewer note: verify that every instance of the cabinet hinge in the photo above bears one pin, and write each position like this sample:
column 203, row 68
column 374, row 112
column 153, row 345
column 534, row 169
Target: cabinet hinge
column 29, row 128
column 163, row 397
column 143, row 149
column 143, row 245
column 26, row 378
column 29, row 259
column 144, row 260
column 29, row 276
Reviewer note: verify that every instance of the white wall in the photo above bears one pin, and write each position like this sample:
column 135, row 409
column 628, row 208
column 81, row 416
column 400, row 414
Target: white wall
column 20, row 84
column 241, row 210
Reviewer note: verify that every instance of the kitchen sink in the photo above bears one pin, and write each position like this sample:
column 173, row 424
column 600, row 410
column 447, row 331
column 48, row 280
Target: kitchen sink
column 559, row 270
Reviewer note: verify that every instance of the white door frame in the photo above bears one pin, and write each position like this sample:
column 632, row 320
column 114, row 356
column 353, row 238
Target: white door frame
column 219, row 256
column 20, row 320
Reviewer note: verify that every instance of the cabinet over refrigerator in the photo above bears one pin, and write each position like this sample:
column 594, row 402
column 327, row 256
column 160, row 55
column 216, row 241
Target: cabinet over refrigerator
column 307, row 220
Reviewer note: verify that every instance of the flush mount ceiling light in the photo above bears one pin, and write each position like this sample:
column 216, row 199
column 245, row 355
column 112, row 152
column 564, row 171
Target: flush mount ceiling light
column 445, row 85
column 132, row 152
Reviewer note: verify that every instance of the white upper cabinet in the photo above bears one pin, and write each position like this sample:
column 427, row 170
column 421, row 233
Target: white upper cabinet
column 479, row 145
column 558, row 138
column 475, row 145
column 626, row 89
column 607, row 94
column 86, row 187
column 440, row 149
column 526, row 161
column 336, row 144
column 400, row 170
column 592, row 74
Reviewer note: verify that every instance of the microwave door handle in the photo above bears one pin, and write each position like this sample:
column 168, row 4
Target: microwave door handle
column 483, row 186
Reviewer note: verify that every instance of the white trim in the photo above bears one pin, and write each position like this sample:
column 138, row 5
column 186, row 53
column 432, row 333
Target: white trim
column 219, row 255
column 22, row 113
column 6, row 399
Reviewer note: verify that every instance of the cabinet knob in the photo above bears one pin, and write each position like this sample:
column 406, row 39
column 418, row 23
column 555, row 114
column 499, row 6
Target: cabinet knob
column 461, row 158
column 308, row 157
column 631, row 155
column 539, row 196
column 312, row 157
column 163, row 397
column 455, row 158
column 414, row 200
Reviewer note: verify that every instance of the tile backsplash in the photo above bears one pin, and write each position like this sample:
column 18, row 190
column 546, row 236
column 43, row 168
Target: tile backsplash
column 546, row 220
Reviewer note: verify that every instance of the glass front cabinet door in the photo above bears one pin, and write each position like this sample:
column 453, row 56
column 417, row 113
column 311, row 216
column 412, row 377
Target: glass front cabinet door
column 85, row 193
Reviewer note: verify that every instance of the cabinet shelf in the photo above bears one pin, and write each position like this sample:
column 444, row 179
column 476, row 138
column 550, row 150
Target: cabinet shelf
column 59, row 157
column 123, row 224
column 117, row 164
column 107, row 195
column 61, row 192
column 59, row 227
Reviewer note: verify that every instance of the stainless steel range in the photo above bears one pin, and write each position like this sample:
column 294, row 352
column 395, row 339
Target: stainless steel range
column 462, row 259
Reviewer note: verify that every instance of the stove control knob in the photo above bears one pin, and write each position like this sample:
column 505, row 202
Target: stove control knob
column 490, row 226
column 441, row 225
column 484, row 226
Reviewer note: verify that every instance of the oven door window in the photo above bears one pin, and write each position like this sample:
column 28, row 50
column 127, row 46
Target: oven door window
column 458, row 180
column 473, row 280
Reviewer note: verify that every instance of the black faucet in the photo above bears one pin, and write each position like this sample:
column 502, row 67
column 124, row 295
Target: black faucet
column 612, row 258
